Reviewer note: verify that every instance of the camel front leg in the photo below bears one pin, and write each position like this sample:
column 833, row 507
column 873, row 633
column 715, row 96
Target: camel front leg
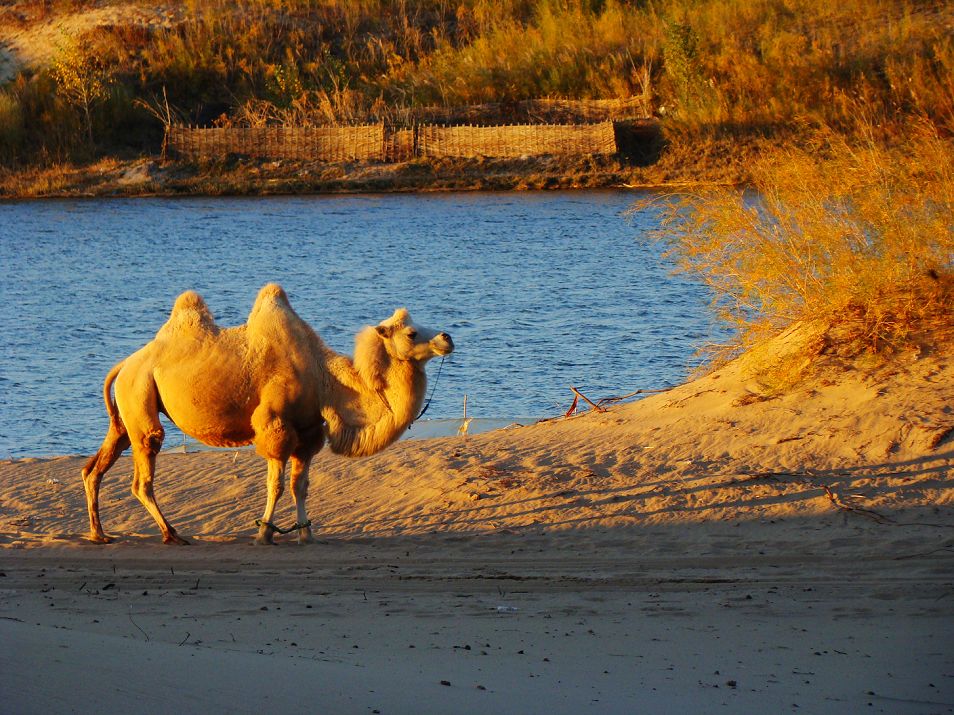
column 299, row 486
column 276, row 485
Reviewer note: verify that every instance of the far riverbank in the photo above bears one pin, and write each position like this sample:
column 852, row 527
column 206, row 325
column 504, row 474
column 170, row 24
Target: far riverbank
column 716, row 162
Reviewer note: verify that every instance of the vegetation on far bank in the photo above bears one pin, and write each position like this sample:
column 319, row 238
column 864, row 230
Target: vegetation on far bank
column 712, row 68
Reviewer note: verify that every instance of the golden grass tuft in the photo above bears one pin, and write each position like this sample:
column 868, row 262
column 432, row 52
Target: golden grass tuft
column 855, row 236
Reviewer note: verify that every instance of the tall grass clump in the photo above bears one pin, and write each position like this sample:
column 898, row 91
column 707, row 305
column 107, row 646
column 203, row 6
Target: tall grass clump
column 11, row 125
column 560, row 48
column 854, row 237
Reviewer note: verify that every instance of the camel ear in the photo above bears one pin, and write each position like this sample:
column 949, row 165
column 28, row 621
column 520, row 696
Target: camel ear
column 401, row 316
column 385, row 331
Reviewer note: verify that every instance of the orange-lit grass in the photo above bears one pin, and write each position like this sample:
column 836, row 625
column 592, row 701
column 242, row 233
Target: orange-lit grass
column 854, row 237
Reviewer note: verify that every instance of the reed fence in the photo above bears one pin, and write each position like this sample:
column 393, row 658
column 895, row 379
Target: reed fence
column 339, row 143
column 511, row 141
column 375, row 142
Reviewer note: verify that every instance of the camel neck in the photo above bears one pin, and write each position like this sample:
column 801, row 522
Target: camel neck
column 366, row 419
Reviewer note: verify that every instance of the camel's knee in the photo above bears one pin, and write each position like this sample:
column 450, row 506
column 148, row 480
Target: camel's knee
column 273, row 438
column 93, row 470
column 89, row 468
column 276, row 485
column 151, row 441
column 91, row 475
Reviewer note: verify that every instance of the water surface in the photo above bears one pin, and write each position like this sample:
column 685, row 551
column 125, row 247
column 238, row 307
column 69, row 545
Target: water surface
column 539, row 290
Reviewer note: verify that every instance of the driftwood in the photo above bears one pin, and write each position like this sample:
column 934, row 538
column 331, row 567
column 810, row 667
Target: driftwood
column 808, row 479
column 600, row 404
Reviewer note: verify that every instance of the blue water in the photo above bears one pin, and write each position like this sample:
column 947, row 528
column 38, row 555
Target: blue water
column 539, row 290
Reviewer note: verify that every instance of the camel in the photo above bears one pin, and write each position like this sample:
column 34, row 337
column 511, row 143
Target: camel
column 271, row 382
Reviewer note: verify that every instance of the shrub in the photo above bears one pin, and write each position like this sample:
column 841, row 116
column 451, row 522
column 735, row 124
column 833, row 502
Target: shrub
column 857, row 237
column 82, row 79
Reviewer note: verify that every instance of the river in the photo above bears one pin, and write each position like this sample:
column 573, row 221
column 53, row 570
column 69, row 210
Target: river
column 540, row 291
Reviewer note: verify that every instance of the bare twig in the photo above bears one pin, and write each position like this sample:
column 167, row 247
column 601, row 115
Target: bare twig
column 620, row 398
column 599, row 405
column 880, row 518
column 164, row 113
column 596, row 407
column 137, row 625
column 569, row 412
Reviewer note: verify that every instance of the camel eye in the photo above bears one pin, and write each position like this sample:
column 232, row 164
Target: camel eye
column 412, row 334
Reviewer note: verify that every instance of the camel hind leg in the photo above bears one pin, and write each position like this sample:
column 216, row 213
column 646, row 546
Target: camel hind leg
column 145, row 450
column 137, row 399
column 115, row 443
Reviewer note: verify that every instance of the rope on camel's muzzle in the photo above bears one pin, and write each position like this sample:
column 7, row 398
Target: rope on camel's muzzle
column 433, row 388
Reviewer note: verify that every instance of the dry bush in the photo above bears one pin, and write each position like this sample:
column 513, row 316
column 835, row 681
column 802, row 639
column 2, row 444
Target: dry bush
column 854, row 236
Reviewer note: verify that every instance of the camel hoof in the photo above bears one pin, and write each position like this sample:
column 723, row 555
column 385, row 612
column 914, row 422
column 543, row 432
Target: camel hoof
column 174, row 538
column 100, row 539
column 265, row 536
column 304, row 536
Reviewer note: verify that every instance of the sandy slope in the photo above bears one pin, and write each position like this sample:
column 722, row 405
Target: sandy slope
column 36, row 42
column 708, row 548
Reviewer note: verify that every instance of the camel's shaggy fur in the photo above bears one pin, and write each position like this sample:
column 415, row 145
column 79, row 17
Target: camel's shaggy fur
column 271, row 382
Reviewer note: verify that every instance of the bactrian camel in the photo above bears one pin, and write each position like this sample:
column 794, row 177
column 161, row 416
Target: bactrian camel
column 271, row 382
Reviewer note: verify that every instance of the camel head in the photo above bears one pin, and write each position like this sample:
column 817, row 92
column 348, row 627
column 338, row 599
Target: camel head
column 404, row 340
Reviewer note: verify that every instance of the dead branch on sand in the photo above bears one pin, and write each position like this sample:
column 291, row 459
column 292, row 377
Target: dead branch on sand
column 599, row 405
column 808, row 480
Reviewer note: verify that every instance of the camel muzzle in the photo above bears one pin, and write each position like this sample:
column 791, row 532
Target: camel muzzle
column 442, row 344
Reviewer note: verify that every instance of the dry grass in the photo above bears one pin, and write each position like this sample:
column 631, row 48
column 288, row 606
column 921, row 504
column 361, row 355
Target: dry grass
column 852, row 236
column 722, row 67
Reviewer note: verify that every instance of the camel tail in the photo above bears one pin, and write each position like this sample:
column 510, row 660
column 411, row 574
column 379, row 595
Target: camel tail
column 115, row 442
column 116, row 438
column 107, row 394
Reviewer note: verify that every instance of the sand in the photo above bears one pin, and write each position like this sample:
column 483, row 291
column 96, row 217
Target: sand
column 738, row 544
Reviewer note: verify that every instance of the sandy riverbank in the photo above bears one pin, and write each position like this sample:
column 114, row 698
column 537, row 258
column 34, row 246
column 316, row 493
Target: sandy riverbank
column 712, row 548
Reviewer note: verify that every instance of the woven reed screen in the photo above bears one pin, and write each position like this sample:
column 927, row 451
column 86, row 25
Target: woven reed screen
column 345, row 143
column 371, row 142
column 516, row 140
